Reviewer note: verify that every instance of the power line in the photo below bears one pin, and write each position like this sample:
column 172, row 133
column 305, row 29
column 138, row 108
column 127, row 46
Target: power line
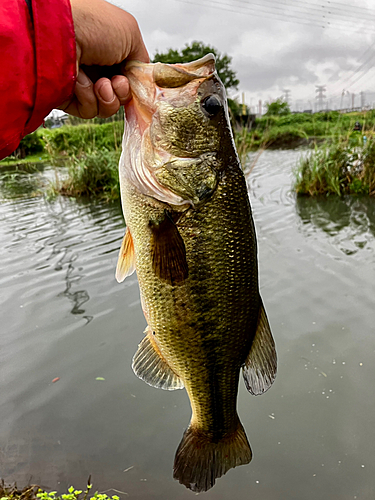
column 321, row 12
column 347, row 8
column 271, row 14
column 249, row 12
column 360, row 78
column 343, row 83
column 298, row 17
column 319, row 18
column 353, row 11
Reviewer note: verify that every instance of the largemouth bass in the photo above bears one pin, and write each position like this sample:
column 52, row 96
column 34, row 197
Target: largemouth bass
column 190, row 236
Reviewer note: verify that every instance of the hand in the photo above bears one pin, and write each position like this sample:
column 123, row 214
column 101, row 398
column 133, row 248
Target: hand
column 106, row 36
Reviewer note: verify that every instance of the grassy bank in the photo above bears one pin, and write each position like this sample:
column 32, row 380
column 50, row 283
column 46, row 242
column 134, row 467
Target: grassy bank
column 28, row 160
column 91, row 152
column 80, row 139
column 45, row 145
column 267, row 131
column 304, row 128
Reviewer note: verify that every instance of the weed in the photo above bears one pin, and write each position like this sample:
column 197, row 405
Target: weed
column 339, row 168
column 33, row 492
column 94, row 174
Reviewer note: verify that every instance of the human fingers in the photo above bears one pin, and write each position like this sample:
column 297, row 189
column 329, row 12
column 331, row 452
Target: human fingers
column 120, row 85
column 108, row 101
column 84, row 102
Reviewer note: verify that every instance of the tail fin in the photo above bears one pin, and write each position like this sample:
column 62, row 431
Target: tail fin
column 199, row 460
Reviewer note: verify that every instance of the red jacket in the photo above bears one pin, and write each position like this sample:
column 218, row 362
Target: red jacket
column 38, row 65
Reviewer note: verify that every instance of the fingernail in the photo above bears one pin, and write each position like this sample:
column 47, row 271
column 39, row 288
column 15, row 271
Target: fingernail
column 120, row 86
column 106, row 92
column 83, row 79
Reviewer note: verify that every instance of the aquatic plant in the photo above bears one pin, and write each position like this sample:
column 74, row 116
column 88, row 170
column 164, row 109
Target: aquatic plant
column 33, row 492
column 339, row 168
column 244, row 142
column 94, row 174
column 74, row 494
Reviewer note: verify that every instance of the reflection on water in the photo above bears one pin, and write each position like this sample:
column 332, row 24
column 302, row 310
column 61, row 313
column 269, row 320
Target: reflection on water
column 349, row 221
column 17, row 181
column 64, row 315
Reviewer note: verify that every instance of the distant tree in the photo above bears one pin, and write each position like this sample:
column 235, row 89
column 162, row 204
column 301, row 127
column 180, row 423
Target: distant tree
column 278, row 107
column 196, row 50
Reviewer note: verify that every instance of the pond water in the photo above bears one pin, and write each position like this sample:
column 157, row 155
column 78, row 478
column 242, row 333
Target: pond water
column 64, row 316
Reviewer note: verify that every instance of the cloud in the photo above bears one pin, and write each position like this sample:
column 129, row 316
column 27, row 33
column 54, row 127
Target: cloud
column 267, row 52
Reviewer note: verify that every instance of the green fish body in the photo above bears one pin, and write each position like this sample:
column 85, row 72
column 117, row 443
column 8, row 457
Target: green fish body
column 190, row 236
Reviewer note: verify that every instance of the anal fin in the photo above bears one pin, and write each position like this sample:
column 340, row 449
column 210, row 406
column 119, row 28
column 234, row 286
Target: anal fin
column 259, row 370
column 126, row 258
column 150, row 365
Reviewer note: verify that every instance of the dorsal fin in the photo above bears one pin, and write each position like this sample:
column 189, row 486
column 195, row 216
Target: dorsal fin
column 126, row 258
column 168, row 251
column 260, row 367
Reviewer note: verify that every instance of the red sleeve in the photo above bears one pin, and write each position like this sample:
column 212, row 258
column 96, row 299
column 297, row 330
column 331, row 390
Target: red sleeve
column 38, row 65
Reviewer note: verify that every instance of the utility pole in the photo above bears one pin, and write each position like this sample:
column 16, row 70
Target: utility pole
column 353, row 97
column 363, row 100
column 320, row 96
column 260, row 107
column 286, row 95
column 342, row 97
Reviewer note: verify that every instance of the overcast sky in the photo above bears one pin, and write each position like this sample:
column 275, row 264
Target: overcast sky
column 274, row 45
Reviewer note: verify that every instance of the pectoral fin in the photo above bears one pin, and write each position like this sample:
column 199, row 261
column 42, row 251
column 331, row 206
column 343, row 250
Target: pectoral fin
column 126, row 259
column 260, row 367
column 168, row 251
column 150, row 365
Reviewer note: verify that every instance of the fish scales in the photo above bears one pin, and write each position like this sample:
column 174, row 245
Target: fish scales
column 202, row 314
column 194, row 318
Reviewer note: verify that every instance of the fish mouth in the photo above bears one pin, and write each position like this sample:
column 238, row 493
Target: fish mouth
column 150, row 82
column 173, row 75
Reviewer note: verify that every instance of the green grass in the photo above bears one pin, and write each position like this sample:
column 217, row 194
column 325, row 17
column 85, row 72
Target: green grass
column 29, row 160
column 93, row 175
column 80, row 139
column 340, row 168
column 302, row 128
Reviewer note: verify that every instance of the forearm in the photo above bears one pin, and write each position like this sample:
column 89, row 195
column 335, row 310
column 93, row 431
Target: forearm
column 38, row 60
column 47, row 52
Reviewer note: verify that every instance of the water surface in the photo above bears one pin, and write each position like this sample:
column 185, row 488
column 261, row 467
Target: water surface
column 64, row 315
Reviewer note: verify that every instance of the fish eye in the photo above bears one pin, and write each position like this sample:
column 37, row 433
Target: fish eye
column 211, row 105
